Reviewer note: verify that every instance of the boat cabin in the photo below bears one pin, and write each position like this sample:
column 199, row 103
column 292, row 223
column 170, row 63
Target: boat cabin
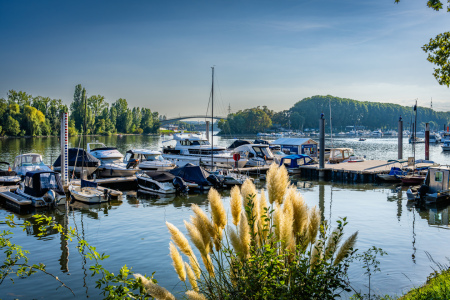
column 298, row 146
column 338, row 155
column 37, row 183
column 437, row 179
column 296, row 160
column 28, row 162
column 191, row 144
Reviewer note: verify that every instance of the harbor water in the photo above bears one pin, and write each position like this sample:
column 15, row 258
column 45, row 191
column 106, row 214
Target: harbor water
column 133, row 232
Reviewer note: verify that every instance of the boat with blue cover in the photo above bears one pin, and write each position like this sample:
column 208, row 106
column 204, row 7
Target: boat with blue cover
column 294, row 161
column 43, row 188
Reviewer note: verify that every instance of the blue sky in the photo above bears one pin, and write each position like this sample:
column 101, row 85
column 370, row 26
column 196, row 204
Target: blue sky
column 158, row 54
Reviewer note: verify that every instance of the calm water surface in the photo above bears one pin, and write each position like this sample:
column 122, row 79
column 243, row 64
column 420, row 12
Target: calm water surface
column 133, row 232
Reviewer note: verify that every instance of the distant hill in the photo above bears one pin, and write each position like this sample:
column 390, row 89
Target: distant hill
column 373, row 115
column 344, row 112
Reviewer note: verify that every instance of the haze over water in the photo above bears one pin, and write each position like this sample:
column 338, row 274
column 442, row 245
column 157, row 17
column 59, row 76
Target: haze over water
column 134, row 233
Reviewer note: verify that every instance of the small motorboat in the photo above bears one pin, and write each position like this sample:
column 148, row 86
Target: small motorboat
column 294, row 161
column 7, row 175
column 412, row 179
column 29, row 162
column 88, row 192
column 362, row 139
column 149, row 160
column 392, row 176
column 446, row 145
column 161, row 182
column 43, row 188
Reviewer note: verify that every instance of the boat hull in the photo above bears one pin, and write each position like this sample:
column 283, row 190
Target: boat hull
column 219, row 162
column 88, row 195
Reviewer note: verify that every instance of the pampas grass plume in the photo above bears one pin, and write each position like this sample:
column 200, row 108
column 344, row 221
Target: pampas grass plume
column 235, row 242
column 193, row 295
column 179, row 239
column 300, row 214
column 196, row 237
column 314, row 223
column 271, row 179
column 236, row 204
column 244, row 234
column 218, row 212
column 247, row 189
column 177, row 262
column 332, row 243
column 345, row 248
column 191, row 277
column 155, row 290
column 282, row 183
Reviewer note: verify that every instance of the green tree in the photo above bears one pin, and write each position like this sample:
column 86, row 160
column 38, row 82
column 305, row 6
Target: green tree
column 12, row 126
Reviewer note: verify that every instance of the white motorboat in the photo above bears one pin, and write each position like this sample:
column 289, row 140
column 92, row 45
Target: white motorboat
column 29, row 162
column 87, row 192
column 111, row 161
column 103, row 153
column 377, row 133
column 43, row 188
column 149, row 160
column 7, row 175
column 195, row 149
column 257, row 154
column 434, row 137
column 446, row 145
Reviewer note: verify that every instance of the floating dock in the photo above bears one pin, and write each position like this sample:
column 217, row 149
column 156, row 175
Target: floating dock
column 12, row 199
column 355, row 172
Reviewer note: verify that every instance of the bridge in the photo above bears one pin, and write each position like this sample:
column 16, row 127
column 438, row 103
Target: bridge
column 171, row 120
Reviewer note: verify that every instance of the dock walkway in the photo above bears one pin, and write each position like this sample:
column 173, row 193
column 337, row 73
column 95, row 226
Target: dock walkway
column 358, row 172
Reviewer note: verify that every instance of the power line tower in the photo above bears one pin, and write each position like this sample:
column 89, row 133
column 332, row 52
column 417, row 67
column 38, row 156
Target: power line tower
column 229, row 108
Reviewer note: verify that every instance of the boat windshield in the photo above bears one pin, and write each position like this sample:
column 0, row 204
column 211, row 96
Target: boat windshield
column 153, row 157
column 48, row 181
column 194, row 143
column 29, row 160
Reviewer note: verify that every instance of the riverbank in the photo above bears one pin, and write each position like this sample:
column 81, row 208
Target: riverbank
column 437, row 287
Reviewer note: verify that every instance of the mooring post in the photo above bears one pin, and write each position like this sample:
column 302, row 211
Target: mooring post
column 322, row 146
column 207, row 131
column 427, row 141
column 400, row 138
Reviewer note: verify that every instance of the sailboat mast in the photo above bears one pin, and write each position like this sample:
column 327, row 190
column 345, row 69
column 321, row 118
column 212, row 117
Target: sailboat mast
column 212, row 120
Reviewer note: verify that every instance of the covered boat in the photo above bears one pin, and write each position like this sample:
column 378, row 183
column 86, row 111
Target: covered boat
column 161, row 182
column 436, row 189
column 393, row 175
column 294, row 161
column 197, row 175
column 43, row 188
column 79, row 159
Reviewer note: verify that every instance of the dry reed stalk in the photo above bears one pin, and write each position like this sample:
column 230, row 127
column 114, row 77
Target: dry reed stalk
column 195, row 266
column 179, row 239
column 177, row 262
column 247, row 189
column 271, row 179
column 218, row 212
column 244, row 234
column 314, row 224
column 235, row 242
column 191, row 277
column 345, row 248
column 208, row 264
column 236, row 204
column 332, row 243
column 196, row 237
column 193, row 295
column 154, row 290
column 218, row 237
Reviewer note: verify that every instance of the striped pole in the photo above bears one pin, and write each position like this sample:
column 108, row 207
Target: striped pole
column 64, row 149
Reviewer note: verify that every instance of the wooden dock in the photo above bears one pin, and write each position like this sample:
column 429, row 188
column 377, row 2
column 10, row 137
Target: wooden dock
column 356, row 172
column 14, row 200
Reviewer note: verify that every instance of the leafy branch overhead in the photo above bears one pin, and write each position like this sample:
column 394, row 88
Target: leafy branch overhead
column 438, row 48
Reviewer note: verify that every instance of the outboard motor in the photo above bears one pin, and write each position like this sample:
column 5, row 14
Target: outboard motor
column 215, row 181
column 180, row 185
column 50, row 198
column 133, row 163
